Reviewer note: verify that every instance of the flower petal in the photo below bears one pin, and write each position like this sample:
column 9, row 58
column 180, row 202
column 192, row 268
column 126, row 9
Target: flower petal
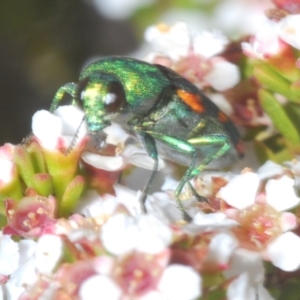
column 119, row 234
column 9, row 255
column 240, row 192
column 47, row 128
column 106, row 285
column 246, row 261
column 174, row 40
column 284, row 252
column 221, row 255
column 180, row 282
column 154, row 236
column 139, row 157
column 48, row 253
column 108, row 163
column 280, row 193
column 223, row 75
column 289, row 30
column 269, row 169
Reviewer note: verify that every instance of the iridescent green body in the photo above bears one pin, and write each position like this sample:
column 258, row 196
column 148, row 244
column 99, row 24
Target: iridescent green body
column 172, row 117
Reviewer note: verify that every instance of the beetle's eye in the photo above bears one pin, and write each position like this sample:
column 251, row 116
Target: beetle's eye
column 115, row 98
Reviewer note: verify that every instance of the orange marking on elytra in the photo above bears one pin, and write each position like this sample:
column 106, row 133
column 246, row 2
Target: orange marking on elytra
column 222, row 117
column 191, row 100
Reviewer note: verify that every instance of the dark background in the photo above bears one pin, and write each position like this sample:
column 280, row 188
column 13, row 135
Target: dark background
column 43, row 45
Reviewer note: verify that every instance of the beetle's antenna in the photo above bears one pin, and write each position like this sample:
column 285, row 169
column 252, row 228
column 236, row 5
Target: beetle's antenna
column 75, row 137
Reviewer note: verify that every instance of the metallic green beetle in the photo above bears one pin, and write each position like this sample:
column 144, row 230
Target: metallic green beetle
column 172, row 118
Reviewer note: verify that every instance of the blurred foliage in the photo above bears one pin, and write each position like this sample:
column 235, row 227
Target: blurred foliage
column 43, row 46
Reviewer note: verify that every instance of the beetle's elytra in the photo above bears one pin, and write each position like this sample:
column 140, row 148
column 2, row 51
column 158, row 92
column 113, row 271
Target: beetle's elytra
column 172, row 118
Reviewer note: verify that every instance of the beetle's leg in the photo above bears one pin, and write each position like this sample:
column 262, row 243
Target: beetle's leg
column 196, row 195
column 150, row 146
column 189, row 147
column 179, row 145
column 68, row 88
column 203, row 140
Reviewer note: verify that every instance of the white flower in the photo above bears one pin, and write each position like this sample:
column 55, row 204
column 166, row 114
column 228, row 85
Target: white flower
column 289, row 30
column 247, row 269
column 220, row 249
column 9, row 255
column 280, row 193
column 269, row 169
column 106, row 286
column 223, row 75
column 180, row 282
column 125, row 155
column 60, row 128
column 25, row 274
column 284, row 252
column 240, row 288
column 13, row 292
column 130, row 155
column 279, row 246
column 49, row 251
column 221, row 102
column 173, row 40
column 115, row 134
column 240, row 192
column 209, row 43
column 208, row 222
column 122, row 234
column 264, row 43
column 92, row 205
column 194, row 57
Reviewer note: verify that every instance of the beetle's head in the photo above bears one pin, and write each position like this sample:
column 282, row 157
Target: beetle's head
column 102, row 97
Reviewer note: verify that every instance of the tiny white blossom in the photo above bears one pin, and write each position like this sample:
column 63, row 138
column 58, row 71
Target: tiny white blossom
column 208, row 222
column 91, row 287
column 26, row 249
column 240, row 288
column 122, row 234
column 25, row 275
column 240, row 192
column 46, row 127
column 180, row 282
column 9, row 255
column 264, row 43
column 209, row 43
column 49, row 250
column 289, row 30
column 247, row 269
column 115, row 134
column 130, row 155
column 173, row 40
column 221, row 248
column 221, row 102
column 269, row 169
column 62, row 124
column 13, row 292
column 93, row 205
column 284, row 252
column 280, row 193
column 223, row 75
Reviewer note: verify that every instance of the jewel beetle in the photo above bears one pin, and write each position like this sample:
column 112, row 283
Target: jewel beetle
column 172, row 118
